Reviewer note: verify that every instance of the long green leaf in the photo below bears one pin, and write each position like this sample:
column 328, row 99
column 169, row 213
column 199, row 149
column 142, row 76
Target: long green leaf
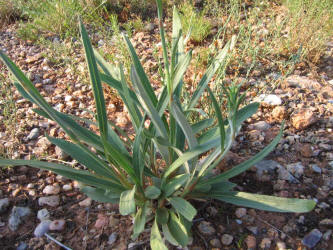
column 167, row 234
column 96, row 83
column 101, row 195
column 156, row 242
column 181, row 120
column 180, row 69
column 83, row 156
column 152, row 192
column 175, row 183
column 201, row 125
column 147, row 103
column 249, row 163
column 183, row 207
column 219, row 117
column 189, row 155
column 140, row 72
column 127, row 202
column 178, row 230
column 139, row 222
column 266, row 202
column 68, row 172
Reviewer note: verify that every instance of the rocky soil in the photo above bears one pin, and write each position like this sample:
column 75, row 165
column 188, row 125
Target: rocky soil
column 34, row 202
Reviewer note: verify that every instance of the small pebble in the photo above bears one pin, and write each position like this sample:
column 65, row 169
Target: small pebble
column 43, row 214
column 251, row 242
column 240, row 212
column 4, row 203
column 34, row 133
column 227, row 239
column 16, row 216
column 206, row 228
column 57, row 225
column 86, row 202
column 312, row 238
column 112, row 238
column 42, row 228
column 51, row 201
column 50, row 189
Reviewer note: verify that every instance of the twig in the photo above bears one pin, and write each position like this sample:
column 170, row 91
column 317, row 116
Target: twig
column 273, row 227
column 59, row 243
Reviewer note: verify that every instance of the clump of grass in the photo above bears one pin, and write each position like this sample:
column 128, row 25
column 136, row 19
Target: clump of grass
column 7, row 116
column 8, row 12
column 195, row 21
column 57, row 16
column 309, row 25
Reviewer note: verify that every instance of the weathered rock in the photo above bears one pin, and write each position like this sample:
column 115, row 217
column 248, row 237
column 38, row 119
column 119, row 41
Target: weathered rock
column 281, row 245
column 302, row 82
column 315, row 168
column 279, row 113
column 150, row 27
column 42, row 228
column 16, row 216
column 260, row 125
column 285, row 175
column 215, row 243
column 51, row 201
column 266, row 168
column 251, row 242
column 206, row 228
column 67, row 187
column 305, row 150
column 43, row 214
column 303, row 118
column 112, row 238
column 271, row 100
column 312, row 238
column 240, row 212
column 296, row 169
column 22, row 246
column 4, row 203
column 57, row 225
column 227, row 239
column 34, row 133
column 51, row 189
column 86, row 202
column 327, row 235
column 102, row 221
column 326, row 222
column 62, row 155
column 265, row 243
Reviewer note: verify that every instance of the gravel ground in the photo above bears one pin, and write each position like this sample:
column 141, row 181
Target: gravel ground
column 33, row 202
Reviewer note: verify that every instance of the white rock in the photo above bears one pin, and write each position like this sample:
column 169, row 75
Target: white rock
column 227, row 239
column 57, row 225
column 240, row 212
column 50, row 189
column 272, row 100
column 16, row 216
column 86, row 202
column 297, row 169
column 42, row 228
column 34, row 133
column 51, row 201
column 43, row 214
column 4, row 203
column 67, row 187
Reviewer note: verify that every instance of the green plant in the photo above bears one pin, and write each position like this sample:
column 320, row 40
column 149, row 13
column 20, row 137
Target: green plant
column 195, row 22
column 8, row 12
column 170, row 160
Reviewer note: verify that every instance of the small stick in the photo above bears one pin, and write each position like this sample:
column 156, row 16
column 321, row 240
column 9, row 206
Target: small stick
column 273, row 227
column 59, row 243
